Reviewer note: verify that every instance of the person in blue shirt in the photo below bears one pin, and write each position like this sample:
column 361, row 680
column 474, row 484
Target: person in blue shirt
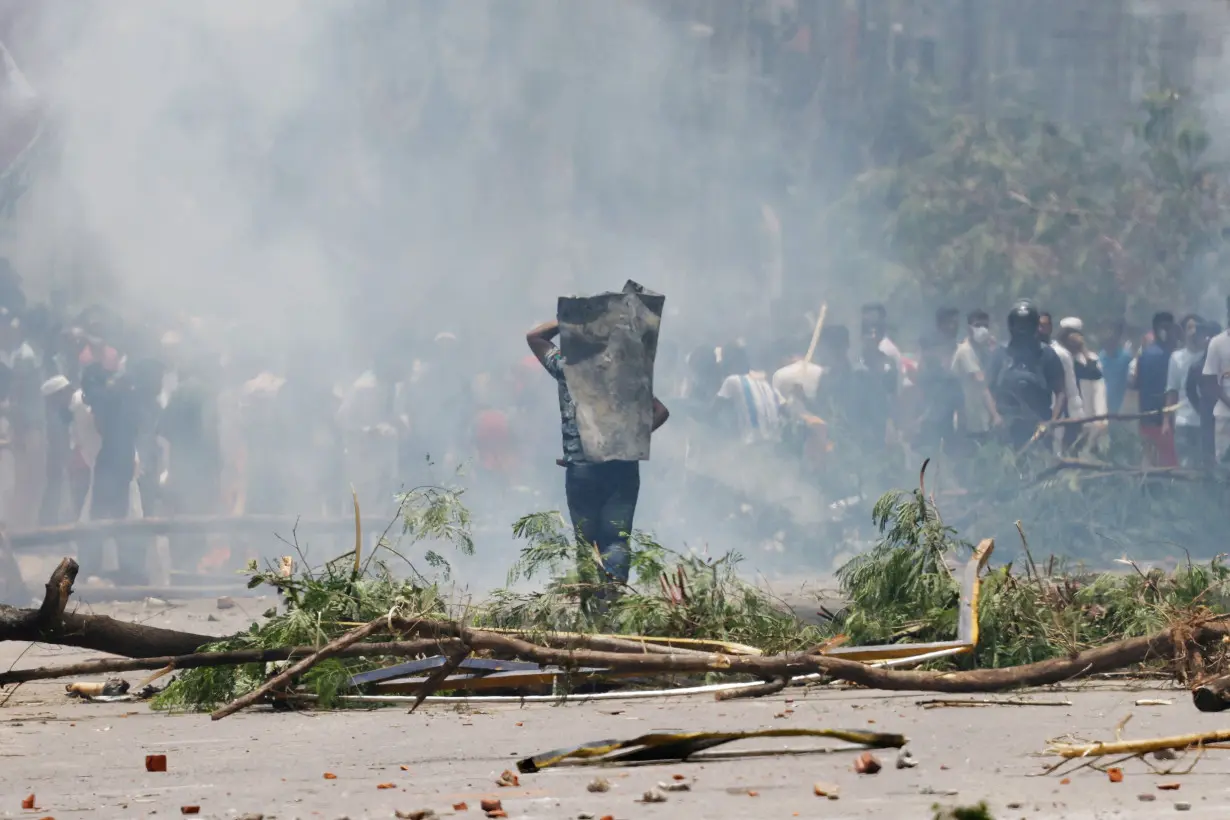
column 1152, row 367
column 1116, row 359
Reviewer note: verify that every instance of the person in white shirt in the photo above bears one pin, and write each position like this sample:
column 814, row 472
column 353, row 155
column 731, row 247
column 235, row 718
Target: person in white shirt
column 1070, row 388
column 1185, row 420
column 1091, row 387
column 798, row 378
column 1217, row 383
column 747, row 395
column 978, row 413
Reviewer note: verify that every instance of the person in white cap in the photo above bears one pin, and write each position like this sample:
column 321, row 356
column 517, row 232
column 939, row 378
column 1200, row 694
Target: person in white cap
column 57, row 395
column 1071, row 391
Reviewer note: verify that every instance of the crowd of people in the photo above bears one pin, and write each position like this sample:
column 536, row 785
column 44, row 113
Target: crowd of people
column 964, row 390
column 109, row 418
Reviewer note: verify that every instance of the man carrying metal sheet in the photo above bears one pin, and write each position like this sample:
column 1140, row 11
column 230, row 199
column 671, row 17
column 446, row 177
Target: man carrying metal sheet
column 604, row 369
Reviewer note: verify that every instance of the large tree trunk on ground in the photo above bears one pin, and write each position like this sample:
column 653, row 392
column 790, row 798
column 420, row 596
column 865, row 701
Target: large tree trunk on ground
column 51, row 624
column 1213, row 695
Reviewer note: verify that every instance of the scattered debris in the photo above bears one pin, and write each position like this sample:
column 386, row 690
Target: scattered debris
column 1168, row 787
column 226, row 602
column 866, row 763
column 674, row 787
column 112, row 687
column 155, row 763
column 508, row 779
column 652, row 796
column 936, row 703
column 386, row 785
column 753, row 793
column 1115, row 775
column 1155, row 702
column 252, row 816
column 462, row 806
column 599, row 785
column 905, row 760
column 497, row 813
column 932, row 791
column 27, row 802
column 491, row 805
column 826, row 790
column 330, row 776
column 1182, row 806
column 661, row 747
column 189, row 809
column 423, row 814
column 1146, row 797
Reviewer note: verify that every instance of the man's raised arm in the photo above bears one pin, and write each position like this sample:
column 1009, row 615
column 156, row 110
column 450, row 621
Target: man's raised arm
column 540, row 339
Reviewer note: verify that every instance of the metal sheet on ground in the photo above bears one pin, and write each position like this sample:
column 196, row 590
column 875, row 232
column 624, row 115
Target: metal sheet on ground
column 609, row 342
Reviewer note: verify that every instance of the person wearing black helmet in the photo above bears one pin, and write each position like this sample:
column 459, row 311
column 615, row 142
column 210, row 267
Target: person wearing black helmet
column 1027, row 377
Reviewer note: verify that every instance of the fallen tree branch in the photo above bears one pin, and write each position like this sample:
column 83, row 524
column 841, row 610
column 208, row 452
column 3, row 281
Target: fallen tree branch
column 235, row 657
column 1092, row 661
column 329, row 650
column 1139, row 747
column 50, row 623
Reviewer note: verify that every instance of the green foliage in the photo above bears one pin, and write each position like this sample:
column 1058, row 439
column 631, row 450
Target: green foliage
column 671, row 594
column 318, row 601
column 903, row 591
column 903, row 586
column 977, row 812
column 993, row 208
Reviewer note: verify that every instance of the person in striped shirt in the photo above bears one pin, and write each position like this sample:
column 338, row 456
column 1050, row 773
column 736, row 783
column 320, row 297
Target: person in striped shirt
column 748, row 400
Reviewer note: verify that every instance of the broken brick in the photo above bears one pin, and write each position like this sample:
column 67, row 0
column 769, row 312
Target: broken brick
column 155, row 763
column 866, row 763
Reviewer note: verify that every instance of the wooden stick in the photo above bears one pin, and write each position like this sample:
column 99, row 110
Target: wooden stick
column 1138, row 747
column 456, row 655
column 235, row 657
column 815, row 333
column 770, row 688
column 277, row 681
column 935, row 703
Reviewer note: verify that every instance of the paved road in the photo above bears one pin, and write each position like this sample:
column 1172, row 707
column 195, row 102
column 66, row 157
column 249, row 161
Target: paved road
column 87, row 760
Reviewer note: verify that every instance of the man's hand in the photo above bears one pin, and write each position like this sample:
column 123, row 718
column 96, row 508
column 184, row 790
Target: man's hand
column 660, row 414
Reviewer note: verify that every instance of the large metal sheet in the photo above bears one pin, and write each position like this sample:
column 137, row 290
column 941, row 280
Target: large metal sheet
column 609, row 342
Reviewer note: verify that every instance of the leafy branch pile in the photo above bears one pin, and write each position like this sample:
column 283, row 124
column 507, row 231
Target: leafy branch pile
column 903, row 591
